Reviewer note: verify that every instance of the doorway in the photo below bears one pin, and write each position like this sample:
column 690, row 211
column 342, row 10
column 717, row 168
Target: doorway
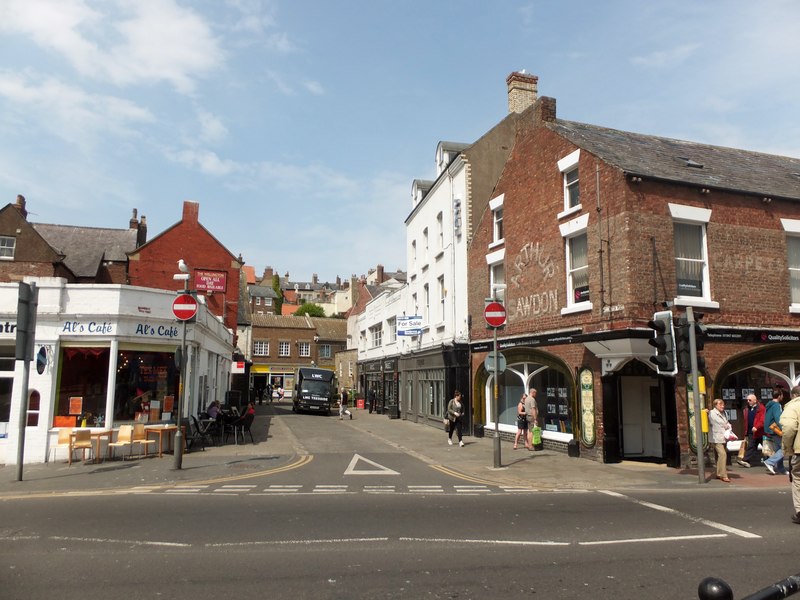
column 642, row 417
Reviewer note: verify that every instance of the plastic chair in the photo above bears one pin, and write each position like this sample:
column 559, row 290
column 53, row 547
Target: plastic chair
column 140, row 437
column 242, row 425
column 124, row 438
column 82, row 441
column 64, row 440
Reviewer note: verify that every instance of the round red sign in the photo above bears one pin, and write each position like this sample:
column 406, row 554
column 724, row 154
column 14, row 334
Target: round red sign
column 184, row 307
column 495, row 314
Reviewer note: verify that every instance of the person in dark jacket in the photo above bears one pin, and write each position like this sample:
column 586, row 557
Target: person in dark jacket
column 755, row 432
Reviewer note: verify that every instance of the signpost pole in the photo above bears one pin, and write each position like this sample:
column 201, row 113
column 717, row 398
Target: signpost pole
column 497, row 460
column 178, row 454
column 495, row 314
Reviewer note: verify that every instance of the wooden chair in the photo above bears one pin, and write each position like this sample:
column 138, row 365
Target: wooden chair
column 64, row 441
column 81, row 440
column 140, row 437
column 124, row 438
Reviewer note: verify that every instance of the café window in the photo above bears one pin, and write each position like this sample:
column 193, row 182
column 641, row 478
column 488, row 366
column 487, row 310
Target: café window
column 82, row 387
column 146, row 387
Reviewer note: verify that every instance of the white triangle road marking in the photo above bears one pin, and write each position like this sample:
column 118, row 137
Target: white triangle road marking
column 378, row 470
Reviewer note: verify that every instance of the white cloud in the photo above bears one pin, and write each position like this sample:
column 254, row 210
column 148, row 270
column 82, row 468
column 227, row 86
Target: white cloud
column 666, row 58
column 211, row 128
column 205, row 161
column 153, row 41
column 315, row 87
column 70, row 113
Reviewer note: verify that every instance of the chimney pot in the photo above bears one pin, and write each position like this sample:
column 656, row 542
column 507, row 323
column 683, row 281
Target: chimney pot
column 20, row 204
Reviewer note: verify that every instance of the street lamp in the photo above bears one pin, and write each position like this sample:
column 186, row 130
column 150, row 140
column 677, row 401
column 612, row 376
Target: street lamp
column 496, row 386
column 178, row 455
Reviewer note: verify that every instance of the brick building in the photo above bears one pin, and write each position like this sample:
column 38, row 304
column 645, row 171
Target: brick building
column 598, row 229
column 214, row 271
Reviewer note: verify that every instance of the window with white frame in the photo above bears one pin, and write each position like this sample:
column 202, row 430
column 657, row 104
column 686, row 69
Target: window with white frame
column 792, row 228
column 577, row 269
column 440, row 231
column 350, row 368
column 7, row 247
column 568, row 166
column 426, row 303
column 376, row 335
column 414, row 303
column 413, row 254
column 692, row 280
column 576, row 252
column 284, row 349
column 425, row 244
column 497, row 274
column 258, row 300
column 392, row 325
column 496, row 206
column 304, row 348
column 267, row 301
column 261, row 348
column 325, row 351
column 442, row 294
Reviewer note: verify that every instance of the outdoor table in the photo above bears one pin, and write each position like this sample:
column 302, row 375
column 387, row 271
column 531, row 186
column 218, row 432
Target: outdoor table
column 160, row 430
column 97, row 433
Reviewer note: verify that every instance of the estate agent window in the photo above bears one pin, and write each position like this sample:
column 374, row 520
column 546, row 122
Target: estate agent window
column 576, row 251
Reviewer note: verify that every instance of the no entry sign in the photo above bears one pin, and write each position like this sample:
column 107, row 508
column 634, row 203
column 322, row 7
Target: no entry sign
column 184, row 307
column 495, row 314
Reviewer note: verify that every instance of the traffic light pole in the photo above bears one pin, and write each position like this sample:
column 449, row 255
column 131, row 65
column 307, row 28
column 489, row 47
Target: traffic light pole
column 698, row 426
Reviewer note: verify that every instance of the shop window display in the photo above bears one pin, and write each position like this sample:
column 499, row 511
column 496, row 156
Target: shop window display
column 553, row 395
column 81, row 395
column 146, row 386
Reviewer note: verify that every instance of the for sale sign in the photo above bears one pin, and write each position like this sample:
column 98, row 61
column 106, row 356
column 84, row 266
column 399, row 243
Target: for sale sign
column 409, row 325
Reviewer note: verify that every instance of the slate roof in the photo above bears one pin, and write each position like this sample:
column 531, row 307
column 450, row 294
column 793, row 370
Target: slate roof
column 261, row 291
column 84, row 248
column 679, row 161
column 330, row 329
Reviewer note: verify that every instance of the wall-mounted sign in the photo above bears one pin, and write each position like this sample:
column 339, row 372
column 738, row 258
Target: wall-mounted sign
column 409, row 326
column 210, row 281
column 41, row 360
column 586, row 402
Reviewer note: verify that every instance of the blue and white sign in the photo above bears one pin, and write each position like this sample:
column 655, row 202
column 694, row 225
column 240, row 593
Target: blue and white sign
column 409, row 325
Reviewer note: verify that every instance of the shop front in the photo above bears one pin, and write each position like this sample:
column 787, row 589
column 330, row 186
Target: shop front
column 105, row 356
column 427, row 381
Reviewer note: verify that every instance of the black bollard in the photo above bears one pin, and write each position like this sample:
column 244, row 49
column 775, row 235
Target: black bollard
column 712, row 588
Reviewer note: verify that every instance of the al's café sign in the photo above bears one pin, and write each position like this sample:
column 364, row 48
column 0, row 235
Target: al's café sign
column 210, row 281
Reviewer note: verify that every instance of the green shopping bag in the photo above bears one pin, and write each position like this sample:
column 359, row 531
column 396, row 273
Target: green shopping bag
column 537, row 436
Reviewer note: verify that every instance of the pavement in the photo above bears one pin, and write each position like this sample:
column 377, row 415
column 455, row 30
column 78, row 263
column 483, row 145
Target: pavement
column 276, row 449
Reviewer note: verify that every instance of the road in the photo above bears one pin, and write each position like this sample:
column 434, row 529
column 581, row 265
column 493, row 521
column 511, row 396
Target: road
column 359, row 518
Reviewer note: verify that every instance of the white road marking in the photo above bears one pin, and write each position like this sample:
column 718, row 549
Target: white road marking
column 472, row 489
column 378, row 470
column 669, row 538
column 112, row 541
column 298, row 542
column 485, row 542
column 672, row 511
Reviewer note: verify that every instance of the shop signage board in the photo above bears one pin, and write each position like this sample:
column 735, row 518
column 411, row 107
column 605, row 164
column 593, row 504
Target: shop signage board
column 184, row 307
column 210, row 281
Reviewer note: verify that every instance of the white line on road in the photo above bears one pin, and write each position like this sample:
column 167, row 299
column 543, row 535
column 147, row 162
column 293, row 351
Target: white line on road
column 666, row 509
column 487, row 542
column 670, row 538
column 111, row 541
column 299, row 542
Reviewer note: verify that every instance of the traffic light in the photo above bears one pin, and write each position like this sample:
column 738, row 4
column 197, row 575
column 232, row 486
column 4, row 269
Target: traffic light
column 664, row 343
column 700, row 335
column 682, row 345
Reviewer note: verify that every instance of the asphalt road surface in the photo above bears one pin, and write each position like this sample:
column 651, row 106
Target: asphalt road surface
column 359, row 519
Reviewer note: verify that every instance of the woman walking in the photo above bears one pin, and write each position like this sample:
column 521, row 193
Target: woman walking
column 718, row 421
column 522, row 424
column 455, row 411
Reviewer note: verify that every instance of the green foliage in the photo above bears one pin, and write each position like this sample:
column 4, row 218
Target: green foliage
column 276, row 285
column 310, row 309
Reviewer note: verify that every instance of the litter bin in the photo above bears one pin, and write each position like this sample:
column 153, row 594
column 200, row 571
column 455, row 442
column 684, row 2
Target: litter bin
column 574, row 448
column 477, row 430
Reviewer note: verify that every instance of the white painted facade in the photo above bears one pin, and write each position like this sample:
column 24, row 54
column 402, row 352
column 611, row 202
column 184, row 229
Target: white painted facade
column 119, row 318
column 436, row 288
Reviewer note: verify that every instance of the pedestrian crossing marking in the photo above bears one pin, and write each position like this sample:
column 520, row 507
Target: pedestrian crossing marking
column 378, row 470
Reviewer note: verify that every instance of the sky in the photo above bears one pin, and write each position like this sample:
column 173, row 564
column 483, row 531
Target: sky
column 300, row 125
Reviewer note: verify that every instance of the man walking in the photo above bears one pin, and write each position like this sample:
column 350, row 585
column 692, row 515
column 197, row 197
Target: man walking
column 755, row 432
column 343, row 406
column 532, row 411
column 790, row 423
column 773, row 434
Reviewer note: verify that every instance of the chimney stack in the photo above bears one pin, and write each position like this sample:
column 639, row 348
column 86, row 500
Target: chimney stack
column 141, row 232
column 191, row 212
column 134, row 222
column 522, row 90
column 268, row 274
column 20, row 205
column 314, row 278
column 379, row 276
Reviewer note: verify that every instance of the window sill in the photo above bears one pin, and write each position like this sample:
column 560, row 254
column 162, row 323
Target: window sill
column 794, row 309
column 424, row 267
column 695, row 302
column 497, row 243
column 439, row 255
column 569, row 211
column 576, row 308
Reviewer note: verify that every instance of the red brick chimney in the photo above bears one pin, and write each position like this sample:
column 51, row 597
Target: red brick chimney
column 191, row 212
column 545, row 110
column 134, row 222
column 379, row 276
column 522, row 90
column 141, row 232
column 268, row 275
